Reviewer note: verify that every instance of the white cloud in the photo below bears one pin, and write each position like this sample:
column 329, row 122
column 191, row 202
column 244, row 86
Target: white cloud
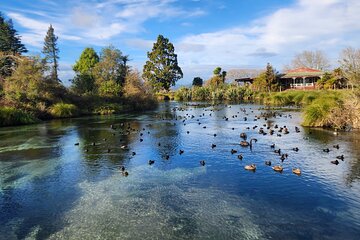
column 326, row 25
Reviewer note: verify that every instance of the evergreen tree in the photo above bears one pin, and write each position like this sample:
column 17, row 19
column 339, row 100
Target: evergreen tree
column 270, row 78
column 198, row 81
column 10, row 47
column 84, row 81
column 10, row 41
column 87, row 61
column 162, row 69
column 51, row 52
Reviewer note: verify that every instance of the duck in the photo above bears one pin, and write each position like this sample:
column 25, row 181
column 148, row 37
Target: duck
column 251, row 167
column 243, row 136
column 181, row 151
column 167, row 157
column 326, row 150
column 296, row 171
column 213, row 145
column 125, row 173
column 187, row 132
column 202, row 162
column 296, row 149
column 336, row 146
column 268, row 163
column 233, row 151
column 133, row 153
column 336, row 162
column 151, row 162
column 278, row 168
column 278, row 151
column 215, row 135
column 240, row 157
column 272, row 145
column 122, row 168
column 76, row 144
column 245, row 143
column 341, row 157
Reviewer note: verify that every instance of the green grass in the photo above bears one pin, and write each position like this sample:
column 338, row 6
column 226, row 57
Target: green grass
column 64, row 110
column 10, row 116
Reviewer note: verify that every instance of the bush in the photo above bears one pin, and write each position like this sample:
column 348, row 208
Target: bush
column 10, row 116
column 64, row 110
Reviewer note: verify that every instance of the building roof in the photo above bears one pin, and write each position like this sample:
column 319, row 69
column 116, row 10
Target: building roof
column 303, row 72
column 244, row 79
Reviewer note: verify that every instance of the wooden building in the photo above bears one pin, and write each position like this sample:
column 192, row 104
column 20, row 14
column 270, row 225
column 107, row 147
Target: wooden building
column 301, row 78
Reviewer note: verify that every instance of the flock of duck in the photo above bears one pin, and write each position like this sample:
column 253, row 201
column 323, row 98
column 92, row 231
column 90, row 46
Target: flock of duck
column 244, row 142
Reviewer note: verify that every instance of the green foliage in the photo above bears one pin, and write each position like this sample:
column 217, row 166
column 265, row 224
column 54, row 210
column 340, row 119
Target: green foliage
column 205, row 93
column 109, row 88
column 26, row 83
column 10, row 41
column 87, row 61
column 10, row 47
column 217, row 71
column 183, row 94
column 201, row 93
column 51, row 53
column 318, row 113
column 64, row 110
column 260, row 83
column 162, row 70
column 215, row 82
column 110, row 71
column 83, row 84
column 12, row 116
column 197, row 81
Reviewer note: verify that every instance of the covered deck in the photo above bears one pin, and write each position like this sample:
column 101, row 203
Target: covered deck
column 301, row 78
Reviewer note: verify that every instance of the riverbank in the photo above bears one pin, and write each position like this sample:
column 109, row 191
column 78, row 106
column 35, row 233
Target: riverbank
column 12, row 116
column 337, row 109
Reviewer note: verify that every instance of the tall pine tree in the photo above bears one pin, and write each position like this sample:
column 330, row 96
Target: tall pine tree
column 10, row 41
column 162, row 69
column 10, row 47
column 51, row 52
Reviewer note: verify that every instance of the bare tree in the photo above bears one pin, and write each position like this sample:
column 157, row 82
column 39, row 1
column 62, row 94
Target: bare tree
column 311, row 59
column 350, row 65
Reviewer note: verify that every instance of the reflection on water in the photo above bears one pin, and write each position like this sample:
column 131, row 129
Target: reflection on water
column 52, row 188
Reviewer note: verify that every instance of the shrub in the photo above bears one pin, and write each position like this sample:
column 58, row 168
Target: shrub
column 64, row 110
column 11, row 116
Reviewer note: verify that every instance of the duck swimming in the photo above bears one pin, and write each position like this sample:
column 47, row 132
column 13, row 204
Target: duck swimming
column 296, row 171
column 278, row 168
column 233, row 151
column 268, row 163
column 151, row 162
column 251, row 167
column 246, row 144
column 336, row 162
column 240, row 157
column 202, row 162
column 341, row 157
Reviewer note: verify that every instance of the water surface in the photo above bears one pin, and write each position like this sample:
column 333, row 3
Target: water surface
column 52, row 189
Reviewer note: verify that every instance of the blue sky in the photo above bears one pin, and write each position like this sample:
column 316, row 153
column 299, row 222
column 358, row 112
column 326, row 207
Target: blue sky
column 206, row 33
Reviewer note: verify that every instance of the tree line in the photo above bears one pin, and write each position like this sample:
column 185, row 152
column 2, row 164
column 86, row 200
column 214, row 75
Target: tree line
column 103, row 82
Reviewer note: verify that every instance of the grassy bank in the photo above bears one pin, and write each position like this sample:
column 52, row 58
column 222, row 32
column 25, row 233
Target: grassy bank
column 12, row 116
column 339, row 109
column 208, row 93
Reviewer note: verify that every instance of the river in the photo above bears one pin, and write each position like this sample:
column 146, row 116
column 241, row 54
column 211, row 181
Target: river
column 52, row 188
